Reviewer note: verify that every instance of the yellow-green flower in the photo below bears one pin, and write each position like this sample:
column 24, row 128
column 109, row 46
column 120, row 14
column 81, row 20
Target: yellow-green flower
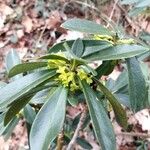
column 113, row 40
column 126, row 41
column 73, row 86
column 104, row 38
column 84, row 76
column 68, row 77
column 61, row 69
column 55, row 63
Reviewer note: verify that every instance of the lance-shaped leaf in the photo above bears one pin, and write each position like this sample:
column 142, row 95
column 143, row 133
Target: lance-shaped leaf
column 77, row 48
column 14, row 109
column 7, row 130
column 12, row 59
column 21, row 68
column 143, row 3
column 117, row 52
column 29, row 114
column 87, row 44
column 52, row 56
column 85, row 26
column 101, row 123
column 118, row 109
column 137, row 85
column 16, row 106
column 49, row 121
column 18, row 88
column 106, row 68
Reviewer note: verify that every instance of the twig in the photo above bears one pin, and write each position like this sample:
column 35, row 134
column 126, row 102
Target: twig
column 60, row 141
column 41, row 34
column 143, row 135
column 79, row 126
column 112, row 12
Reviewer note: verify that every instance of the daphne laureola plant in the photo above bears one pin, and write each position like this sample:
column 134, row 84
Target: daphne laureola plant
column 44, row 87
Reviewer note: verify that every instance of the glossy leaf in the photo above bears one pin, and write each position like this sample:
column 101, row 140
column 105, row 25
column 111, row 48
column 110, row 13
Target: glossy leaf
column 117, row 52
column 123, row 99
column 23, row 85
column 85, row 26
column 52, row 56
column 6, row 131
column 2, row 84
column 120, row 113
column 87, row 44
column 106, row 68
column 95, row 48
column 12, row 59
column 143, row 3
column 21, row 68
column 101, row 123
column 78, row 48
column 129, row 1
column 49, row 121
column 84, row 144
column 137, row 85
column 15, row 108
column 121, row 81
column 29, row 114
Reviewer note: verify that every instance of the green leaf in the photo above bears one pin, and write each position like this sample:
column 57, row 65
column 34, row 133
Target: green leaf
column 85, row 26
column 78, row 48
column 124, row 2
column 143, row 3
column 15, row 108
column 49, row 121
column 84, row 144
column 21, row 68
column 106, row 68
column 101, row 123
column 19, row 87
column 52, row 56
column 29, row 114
column 117, row 52
column 96, row 48
column 136, row 11
column 123, row 99
column 73, row 101
column 87, row 44
column 2, row 84
column 120, row 113
column 6, row 131
column 137, row 85
column 121, row 82
column 12, row 59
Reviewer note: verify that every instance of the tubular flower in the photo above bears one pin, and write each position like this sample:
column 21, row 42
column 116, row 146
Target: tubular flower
column 104, row 38
column 113, row 40
column 68, row 77
column 55, row 63
column 84, row 76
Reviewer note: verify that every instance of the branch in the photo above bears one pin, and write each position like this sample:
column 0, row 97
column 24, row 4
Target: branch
column 112, row 12
column 79, row 126
column 60, row 141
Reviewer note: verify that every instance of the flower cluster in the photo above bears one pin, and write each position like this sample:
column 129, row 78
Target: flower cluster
column 113, row 40
column 68, row 77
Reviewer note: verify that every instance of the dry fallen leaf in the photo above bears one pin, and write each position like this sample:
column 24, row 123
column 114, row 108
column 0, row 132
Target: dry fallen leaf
column 20, row 33
column 4, row 12
column 27, row 23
